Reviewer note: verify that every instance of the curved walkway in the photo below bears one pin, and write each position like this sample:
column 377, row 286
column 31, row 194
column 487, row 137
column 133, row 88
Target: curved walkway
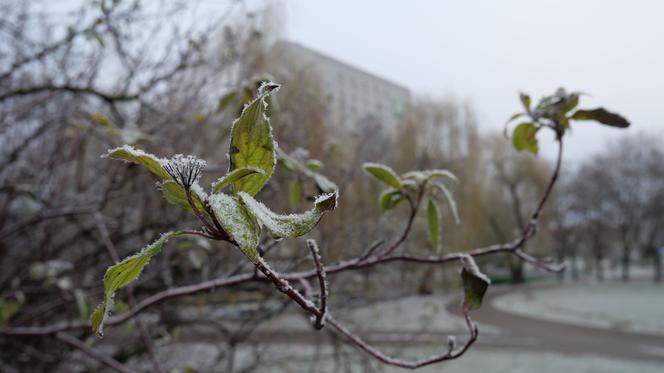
column 526, row 333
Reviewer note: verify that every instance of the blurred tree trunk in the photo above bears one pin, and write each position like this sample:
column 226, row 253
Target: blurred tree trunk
column 516, row 266
column 625, row 259
column 598, row 256
column 599, row 270
column 625, row 262
column 574, row 267
column 516, row 271
column 657, row 264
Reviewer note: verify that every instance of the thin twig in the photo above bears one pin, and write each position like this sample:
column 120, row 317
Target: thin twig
column 91, row 352
column 319, row 320
column 379, row 355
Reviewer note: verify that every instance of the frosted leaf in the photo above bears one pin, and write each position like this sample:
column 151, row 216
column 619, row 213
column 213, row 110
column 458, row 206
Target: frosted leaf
column 237, row 222
column 130, row 154
column 314, row 164
column 292, row 225
column 176, row 195
column 199, row 191
column 469, row 264
column 418, row 176
column 268, row 86
column 426, row 175
column 475, row 283
column 121, row 274
column 450, row 199
column 389, row 198
column 433, row 174
column 383, row 174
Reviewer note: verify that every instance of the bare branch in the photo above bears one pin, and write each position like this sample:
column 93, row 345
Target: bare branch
column 319, row 320
column 91, row 352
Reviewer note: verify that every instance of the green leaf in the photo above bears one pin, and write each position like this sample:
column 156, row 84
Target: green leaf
column 603, row 116
column 571, row 102
column 237, row 222
column 448, row 197
column 130, row 154
column 226, row 100
column 433, row 219
column 176, row 195
column 426, row 175
column 293, row 225
column 514, row 117
column 234, row 176
column 323, row 184
column 383, row 174
column 525, row 101
column 295, row 193
column 81, row 303
column 524, row 138
column 417, row 176
column 475, row 283
column 8, row 308
column 103, row 121
column 389, row 198
column 123, row 273
column 314, row 165
column 434, row 174
column 252, row 144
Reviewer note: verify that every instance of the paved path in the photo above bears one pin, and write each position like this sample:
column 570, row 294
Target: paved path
column 527, row 333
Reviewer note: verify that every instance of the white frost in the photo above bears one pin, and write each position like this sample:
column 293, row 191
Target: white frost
column 470, row 266
column 134, row 152
column 234, row 220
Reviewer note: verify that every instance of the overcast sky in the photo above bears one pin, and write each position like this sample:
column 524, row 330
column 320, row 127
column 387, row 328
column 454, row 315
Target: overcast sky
column 487, row 51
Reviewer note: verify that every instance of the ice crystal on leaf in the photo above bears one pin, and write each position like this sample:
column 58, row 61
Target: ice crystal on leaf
column 237, row 222
column 292, row 225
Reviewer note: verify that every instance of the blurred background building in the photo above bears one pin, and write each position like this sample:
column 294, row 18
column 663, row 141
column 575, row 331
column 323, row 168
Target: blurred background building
column 356, row 96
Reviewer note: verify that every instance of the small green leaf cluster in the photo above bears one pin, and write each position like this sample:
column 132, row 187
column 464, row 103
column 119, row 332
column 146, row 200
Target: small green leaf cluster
column 302, row 167
column 413, row 186
column 235, row 217
column 555, row 112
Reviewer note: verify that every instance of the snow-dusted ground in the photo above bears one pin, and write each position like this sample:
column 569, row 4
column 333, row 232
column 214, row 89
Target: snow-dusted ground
column 476, row 360
column 636, row 306
column 203, row 357
column 412, row 314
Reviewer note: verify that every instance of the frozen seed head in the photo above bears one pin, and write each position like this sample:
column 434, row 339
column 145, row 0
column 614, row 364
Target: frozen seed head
column 184, row 169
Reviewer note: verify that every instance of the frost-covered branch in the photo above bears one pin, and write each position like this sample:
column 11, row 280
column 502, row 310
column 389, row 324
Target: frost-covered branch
column 319, row 320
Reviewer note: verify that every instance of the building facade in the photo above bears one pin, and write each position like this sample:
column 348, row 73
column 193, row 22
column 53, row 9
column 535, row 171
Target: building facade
column 356, row 98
